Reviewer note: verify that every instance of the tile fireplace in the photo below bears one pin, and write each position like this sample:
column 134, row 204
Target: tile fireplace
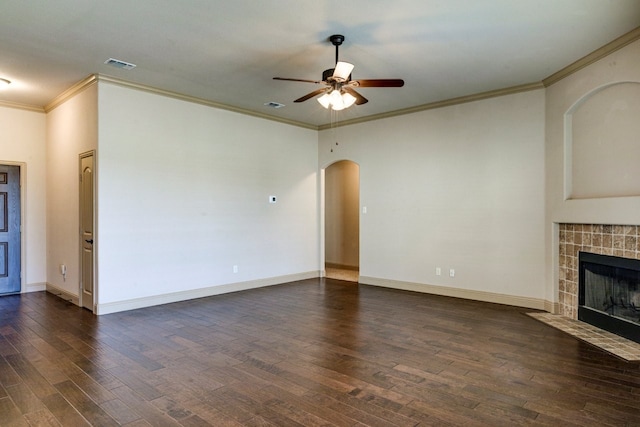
column 614, row 240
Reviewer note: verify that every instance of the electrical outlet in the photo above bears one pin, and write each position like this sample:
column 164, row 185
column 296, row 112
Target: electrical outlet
column 235, row 268
column 438, row 271
column 452, row 272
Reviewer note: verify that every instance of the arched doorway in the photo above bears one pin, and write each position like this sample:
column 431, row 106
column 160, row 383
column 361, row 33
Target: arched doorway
column 342, row 221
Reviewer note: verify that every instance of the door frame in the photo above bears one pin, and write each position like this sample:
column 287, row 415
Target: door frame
column 322, row 187
column 81, row 156
column 23, row 226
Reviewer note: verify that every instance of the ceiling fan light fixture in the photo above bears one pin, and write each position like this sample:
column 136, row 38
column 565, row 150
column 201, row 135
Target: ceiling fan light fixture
column 337, row 103
column 325, row 100
column 342, row 71
column 337, row 100
column 348, row 100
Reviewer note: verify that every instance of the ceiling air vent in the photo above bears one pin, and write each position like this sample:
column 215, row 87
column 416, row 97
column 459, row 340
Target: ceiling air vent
column 120, row 64
column 273, row 104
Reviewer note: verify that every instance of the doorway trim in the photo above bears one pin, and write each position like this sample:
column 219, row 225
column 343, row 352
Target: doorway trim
column 322, row 187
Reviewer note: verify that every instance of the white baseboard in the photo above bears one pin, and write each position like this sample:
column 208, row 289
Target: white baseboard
column 551, row 307
column 518, row 301
column 65, row 295
column 35, row 287
column 132, row 304
column 114, row 307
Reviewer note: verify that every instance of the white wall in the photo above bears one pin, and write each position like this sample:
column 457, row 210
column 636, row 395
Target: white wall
column 459, row 187
column 183, row 197
column 620, row 66
column 22, row 141
column 72, row 129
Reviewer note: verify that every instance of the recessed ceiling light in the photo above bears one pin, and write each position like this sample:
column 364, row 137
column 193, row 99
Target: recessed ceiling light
column 4, row 83
column 273, row 104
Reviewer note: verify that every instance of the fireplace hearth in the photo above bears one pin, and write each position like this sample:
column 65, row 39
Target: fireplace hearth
column 609, row 293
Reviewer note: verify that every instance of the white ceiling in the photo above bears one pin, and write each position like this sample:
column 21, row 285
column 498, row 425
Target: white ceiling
column 228, row 51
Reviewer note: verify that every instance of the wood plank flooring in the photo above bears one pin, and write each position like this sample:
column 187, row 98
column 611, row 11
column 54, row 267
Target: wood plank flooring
column 311, row 353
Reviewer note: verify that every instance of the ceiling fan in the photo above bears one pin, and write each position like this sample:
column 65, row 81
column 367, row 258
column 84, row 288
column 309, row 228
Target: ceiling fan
column 338, row 91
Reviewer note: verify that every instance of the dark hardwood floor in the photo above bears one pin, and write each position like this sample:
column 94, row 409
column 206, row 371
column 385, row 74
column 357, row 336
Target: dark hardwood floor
column 315, row 352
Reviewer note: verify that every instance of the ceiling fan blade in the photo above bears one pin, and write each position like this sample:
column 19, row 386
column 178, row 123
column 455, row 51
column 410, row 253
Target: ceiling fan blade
column 379, row 82
column 297, row 80
column 343, row 70
column 311, row 95
column 359, row 98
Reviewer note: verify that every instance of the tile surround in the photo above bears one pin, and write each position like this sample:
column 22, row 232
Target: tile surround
column 611, row 343
column 617, row 240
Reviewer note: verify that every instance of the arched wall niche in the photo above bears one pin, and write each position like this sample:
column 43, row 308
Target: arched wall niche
column 602, row 143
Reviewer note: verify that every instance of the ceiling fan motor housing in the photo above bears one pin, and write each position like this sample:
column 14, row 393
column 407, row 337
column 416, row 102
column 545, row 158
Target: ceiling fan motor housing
column 327, row 73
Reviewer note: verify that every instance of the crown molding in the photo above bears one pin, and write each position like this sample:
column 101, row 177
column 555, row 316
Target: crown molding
column 594, row 56
column 439, row 104
column 72, row 91
column 94, row 78
column 196, row 100
column 19, row 106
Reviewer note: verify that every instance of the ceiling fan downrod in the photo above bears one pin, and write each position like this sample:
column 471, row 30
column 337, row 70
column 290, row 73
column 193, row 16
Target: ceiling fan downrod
column 336, row 40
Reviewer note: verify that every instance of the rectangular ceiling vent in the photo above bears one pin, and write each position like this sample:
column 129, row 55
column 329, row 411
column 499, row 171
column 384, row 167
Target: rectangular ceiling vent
column 120, row 64
column 273, row 104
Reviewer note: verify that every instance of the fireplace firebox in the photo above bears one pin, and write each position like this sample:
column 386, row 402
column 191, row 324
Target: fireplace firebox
column 609, row 293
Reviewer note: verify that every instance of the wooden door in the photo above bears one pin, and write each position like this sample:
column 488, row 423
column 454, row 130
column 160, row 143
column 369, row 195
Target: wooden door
column 86, row 230
column 9, row 229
